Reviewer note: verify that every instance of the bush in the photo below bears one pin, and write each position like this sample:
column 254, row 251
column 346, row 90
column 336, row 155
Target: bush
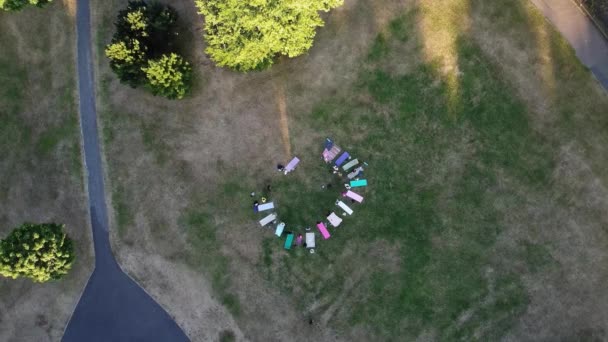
column 169, row 76
column 599, row 10
column 40, row 252
column 16, row 5
column 248, row 35
column 143, row 41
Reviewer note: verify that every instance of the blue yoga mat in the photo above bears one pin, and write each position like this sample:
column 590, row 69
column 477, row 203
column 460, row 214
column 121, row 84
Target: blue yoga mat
column 342, row 158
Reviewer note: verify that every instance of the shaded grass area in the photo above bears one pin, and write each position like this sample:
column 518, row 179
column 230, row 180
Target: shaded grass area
column 578, row 107
column 201, row 233
column 123, row 213
column 537, row 256
column 433, row 183
column 13, row 130
column 202, row 229
column 18, row 136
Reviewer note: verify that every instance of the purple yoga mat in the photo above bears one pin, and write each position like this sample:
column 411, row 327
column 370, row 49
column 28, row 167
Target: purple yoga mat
column 342, row 158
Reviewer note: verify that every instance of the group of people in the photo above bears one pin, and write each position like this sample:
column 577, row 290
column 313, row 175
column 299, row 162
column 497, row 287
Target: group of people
column 340, row 167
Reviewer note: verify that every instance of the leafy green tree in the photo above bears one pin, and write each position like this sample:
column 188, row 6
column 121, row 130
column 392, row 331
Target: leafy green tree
column 137, row 21
column 40, row 252
column 162, row 28
column 126, row 60
column 248, row 35
column 154, row 25
column 169, row 76
column 145, row 35
column 16, row 5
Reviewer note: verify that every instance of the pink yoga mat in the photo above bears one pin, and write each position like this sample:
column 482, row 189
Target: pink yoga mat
column 354, row 195
column 323, row 230
column 292, row 165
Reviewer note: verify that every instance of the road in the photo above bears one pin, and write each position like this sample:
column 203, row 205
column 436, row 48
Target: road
column 113, row 307
column 590, row 46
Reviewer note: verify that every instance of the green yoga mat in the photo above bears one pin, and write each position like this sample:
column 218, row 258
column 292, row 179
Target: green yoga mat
column 289, row 241
column 356, row 183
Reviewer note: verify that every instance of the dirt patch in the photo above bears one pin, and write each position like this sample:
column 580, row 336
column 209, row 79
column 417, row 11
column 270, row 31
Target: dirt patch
column 284, row 123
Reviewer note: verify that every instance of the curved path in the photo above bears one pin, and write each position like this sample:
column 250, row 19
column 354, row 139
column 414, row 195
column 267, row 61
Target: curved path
column 113, row 307
column 590, row 45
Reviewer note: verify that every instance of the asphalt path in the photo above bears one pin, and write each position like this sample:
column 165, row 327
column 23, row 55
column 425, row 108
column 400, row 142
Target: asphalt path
column 113, row 307
column 590, row 45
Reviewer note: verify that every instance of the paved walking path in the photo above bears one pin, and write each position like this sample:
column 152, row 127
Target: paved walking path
column 590, row 45
column 113, row 307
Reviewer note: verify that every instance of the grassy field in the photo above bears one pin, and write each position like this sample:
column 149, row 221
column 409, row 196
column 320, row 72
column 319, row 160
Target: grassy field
column 484, row 218
column 40, row 168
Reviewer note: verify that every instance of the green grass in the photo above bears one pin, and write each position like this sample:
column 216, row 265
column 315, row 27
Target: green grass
column 440, row 216
column 17, row 136
column 49, row 139
column 123, row 212
column 537, row 256
column 207, row 256
column 14, row 132
column 202, row 230
column 379, row 49
column 314, row 199
column 227, row 336
column 153, row 143
column 66, row 132
column 76, row 159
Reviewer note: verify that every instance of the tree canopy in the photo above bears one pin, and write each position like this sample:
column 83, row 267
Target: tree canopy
column 168, row 76
column 248, row 35
column 142, row 44
column 40, row 252
column 16, row 5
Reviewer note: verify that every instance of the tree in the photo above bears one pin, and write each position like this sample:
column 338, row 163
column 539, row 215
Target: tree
column 169, row 76
column 16, row 5
column 144, row 37
column 40, row 252
column 248, row 35
column 126, row 60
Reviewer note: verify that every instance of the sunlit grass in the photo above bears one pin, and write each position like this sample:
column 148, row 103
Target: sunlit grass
column 441, row 25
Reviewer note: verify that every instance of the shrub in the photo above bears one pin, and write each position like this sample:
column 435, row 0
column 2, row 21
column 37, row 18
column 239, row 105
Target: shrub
column 40, row 252
column 169, row 76
column 599, row 10
column 144, row 38
column 16, row 5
